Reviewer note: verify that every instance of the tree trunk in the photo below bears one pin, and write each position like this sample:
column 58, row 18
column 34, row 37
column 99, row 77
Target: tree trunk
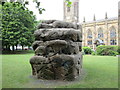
column 16, row 47
column 29, row 48
column 13, row 48
column 7, row 47
column 22, row 47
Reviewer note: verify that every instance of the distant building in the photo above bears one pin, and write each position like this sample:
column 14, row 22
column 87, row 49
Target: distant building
column 71, row 14
column 119, row 23
column 97, row 32
column 100, row 32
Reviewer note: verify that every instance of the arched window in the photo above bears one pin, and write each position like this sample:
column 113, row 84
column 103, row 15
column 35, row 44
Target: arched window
column 113, row 36
column 89, row 42
column 112, row 33
column 89, row 34
column 68, row 9
column 76, row 5
column 100, row 33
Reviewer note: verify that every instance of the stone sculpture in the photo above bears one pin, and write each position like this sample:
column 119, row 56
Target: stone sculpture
column 57, row 49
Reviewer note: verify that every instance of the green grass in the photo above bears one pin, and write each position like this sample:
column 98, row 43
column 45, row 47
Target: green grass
column 100, row 72
column 18, row 52
column 0, row 72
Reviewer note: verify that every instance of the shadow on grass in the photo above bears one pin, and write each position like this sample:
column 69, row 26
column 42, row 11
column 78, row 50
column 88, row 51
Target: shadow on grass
column 39, row 83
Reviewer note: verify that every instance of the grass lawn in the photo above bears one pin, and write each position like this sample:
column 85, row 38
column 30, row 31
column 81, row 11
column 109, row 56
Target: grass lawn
column 100, row 72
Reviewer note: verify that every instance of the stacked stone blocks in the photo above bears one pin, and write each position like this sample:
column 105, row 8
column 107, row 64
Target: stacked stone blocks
column 57, row 49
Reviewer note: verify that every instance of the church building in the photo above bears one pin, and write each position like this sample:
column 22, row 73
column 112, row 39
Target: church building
column 96, row 32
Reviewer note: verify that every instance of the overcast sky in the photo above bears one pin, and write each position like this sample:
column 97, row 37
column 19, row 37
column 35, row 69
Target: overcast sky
column 87, row 8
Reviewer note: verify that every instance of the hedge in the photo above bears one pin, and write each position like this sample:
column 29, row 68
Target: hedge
column 87, row 50
column 108, row 50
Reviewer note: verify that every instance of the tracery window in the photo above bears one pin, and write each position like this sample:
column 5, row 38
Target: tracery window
column 75, row 8
column 89, row 42
column 113, row 36
column 89, row 34
column 112, row 33
column 113, row 42
column 100, row 33
column 68, row 9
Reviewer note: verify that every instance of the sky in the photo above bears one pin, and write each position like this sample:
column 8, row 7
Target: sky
column 87, row 9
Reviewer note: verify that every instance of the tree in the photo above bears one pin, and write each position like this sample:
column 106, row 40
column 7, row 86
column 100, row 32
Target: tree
column 26, row 2
column 18, row 25
column 68, row 2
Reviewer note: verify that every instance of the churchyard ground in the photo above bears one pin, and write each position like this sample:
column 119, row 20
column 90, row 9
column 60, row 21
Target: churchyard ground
column 99, row 72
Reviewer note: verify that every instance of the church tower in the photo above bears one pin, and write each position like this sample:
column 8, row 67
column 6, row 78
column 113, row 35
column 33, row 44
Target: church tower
column 71, row 14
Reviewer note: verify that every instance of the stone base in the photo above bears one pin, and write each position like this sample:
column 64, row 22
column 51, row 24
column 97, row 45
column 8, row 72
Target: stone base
column 57, row 67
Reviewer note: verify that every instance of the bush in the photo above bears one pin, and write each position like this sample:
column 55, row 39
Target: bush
column 113, row 53
column 107, row 50
column 93, row 53
column 87, row 50
column 118, row 49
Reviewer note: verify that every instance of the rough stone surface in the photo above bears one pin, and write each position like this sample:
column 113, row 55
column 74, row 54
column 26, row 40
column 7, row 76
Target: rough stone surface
column 58, row 24
column 58, row 33
column 57, row 49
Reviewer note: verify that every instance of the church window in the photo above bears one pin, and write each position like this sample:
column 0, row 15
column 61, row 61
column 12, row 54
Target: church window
column 113, row 36
column 100, row 33
column 75, row 8
column 89, row 34
column 68, row 9
column 113, row 42
column 112, row 33
column 89, row 42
